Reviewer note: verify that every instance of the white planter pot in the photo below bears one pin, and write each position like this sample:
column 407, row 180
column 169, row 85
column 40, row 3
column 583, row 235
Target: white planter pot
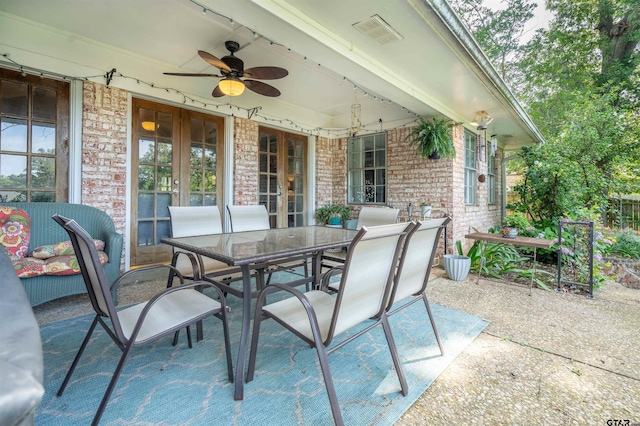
column 456, row 266
column 426, row 211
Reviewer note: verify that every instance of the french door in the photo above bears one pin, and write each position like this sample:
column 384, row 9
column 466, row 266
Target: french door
column 176, row 161
column 281, row 177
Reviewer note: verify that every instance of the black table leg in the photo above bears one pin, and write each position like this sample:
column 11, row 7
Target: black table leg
column 244, row 334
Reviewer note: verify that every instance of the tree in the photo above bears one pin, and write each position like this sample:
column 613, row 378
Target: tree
column 498, row 32
column 580, row 82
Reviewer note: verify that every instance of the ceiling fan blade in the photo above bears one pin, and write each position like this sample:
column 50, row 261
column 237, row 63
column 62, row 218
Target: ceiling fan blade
column 188, row 74
column 262, row 88
column 214, row 61
column 217, row 93
column 265, row 73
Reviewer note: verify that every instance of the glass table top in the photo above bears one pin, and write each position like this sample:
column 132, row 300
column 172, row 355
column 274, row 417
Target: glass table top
column 241, row 248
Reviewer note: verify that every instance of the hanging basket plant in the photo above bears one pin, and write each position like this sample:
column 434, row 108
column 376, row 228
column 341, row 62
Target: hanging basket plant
column 433, row 138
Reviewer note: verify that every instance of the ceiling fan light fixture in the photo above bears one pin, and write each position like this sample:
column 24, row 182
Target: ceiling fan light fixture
column 481, row 120
column 149, row 126
column 231, row 86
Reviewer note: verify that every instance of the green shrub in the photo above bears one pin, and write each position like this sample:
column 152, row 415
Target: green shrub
column 626, row 244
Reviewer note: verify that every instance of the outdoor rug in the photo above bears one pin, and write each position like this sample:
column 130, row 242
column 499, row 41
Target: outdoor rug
column 166, row 385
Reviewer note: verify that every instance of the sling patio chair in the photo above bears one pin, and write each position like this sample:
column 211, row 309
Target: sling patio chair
column 256, row 218
column 193, row 221
column 164, row 314
column 414, row 268
column 317, row 316
column 369, row 216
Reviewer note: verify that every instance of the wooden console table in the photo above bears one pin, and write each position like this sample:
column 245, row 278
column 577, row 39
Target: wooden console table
column 535, row 243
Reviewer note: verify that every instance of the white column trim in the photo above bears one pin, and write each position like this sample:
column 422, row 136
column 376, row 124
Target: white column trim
column 311, row 180
column 75, row 142
column 229, row 171
column 127, row 196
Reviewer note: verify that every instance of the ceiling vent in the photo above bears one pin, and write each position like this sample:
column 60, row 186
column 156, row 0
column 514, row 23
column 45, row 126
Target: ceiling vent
column 377, row 29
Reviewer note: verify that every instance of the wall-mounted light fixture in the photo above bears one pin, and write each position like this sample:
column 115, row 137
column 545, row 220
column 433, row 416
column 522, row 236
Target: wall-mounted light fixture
column 481, row 120
column 149, row 126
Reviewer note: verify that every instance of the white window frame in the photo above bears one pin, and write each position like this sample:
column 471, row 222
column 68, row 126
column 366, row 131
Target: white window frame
column 491, row 179
column 359, row 189
column 470, row 168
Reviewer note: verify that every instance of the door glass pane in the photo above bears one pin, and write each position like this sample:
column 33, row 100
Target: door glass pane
column 162, row 208
column 43, row 172
column 210, row 157
column 195, row 181
column 196, row 155
column 146, row 177
column 148, row 122
column 209, row 181
column 14, row 135
column 163, row 230
column 164, row 152
column 197, row 130
column 145, row 205
column 146, row 151
column 43, row 138
column 44, row 103
column 164, row 178
column 273, row 164
column 195, row 199
column 14, row 171
column 14, row 99
column 164, row 125
column 210, row 200
column 145, row 233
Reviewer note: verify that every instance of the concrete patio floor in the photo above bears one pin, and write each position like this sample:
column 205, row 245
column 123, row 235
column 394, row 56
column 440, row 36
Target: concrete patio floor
column 545, row 359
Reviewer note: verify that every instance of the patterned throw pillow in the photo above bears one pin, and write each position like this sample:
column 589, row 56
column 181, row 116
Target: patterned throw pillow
column 15, row 228
column 28, row 267
column 64, row 248
column 68, row 265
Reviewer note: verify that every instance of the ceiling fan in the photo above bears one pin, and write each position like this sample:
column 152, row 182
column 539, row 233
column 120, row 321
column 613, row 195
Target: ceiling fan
column 232, row 69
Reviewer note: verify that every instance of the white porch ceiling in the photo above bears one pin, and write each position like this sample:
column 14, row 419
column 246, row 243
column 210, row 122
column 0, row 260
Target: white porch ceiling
column 427, row 72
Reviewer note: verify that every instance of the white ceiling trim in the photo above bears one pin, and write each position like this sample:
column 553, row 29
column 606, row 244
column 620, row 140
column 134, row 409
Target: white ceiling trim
column 346, row 50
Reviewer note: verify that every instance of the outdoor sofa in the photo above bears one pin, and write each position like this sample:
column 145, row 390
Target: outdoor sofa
column 45, row 232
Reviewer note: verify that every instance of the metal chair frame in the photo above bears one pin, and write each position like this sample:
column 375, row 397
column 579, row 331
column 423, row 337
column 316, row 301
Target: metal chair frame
column 101, row 299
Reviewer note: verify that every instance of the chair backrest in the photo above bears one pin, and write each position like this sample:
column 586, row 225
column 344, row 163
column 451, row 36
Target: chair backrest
column 92, row 272
column 248, row 218
column 367, row 276
column 189, row 221
column 415, row 263
column 375, row 216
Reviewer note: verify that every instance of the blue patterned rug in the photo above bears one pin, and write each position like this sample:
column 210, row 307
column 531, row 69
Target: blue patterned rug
column 166, row 385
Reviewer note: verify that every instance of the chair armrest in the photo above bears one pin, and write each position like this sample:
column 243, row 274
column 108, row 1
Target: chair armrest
column 117, row 282
column 324, row 285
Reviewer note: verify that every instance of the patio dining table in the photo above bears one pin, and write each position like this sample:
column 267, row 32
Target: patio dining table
column 254, row 250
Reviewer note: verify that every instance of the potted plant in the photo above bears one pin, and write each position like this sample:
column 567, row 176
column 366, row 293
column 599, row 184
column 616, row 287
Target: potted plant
column 426, row 209
column 433, row 138
column 333, row 214
column 513, row 224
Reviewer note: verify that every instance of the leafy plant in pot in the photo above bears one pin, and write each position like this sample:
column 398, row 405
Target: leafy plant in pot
column 333, row 214
column 426, row 209
column 433, row 138
column 513, row 224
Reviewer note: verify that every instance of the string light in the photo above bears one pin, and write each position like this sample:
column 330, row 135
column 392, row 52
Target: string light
column 339, row 132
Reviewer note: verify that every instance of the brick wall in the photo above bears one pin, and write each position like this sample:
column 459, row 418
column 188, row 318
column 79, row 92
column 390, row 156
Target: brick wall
column 412, row 179
column 245, row 173
column 339, row 160
column 104, row 150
